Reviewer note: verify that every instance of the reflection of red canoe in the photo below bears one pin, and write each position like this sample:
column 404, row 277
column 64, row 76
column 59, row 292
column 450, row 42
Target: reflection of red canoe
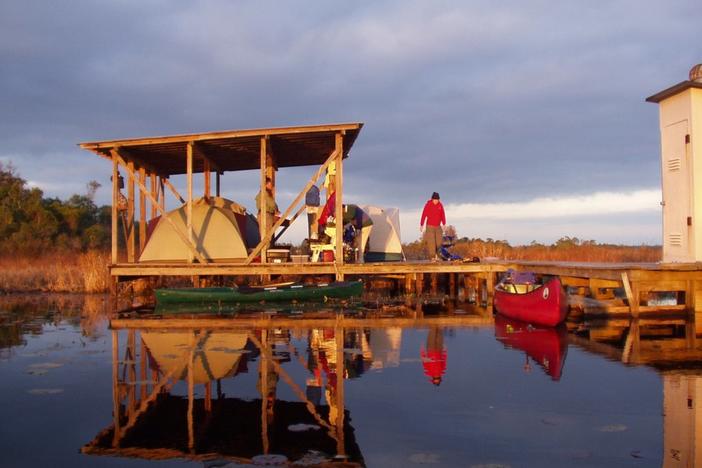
column 548, row 346
column 542, row 304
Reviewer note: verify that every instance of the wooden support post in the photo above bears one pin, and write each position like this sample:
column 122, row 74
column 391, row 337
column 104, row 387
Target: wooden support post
column 452, row 285
column 338, row 207
column 142, row 211
column 408, row 283
column 434, row 283
column 490, row 286
column 115, row 201
column 131, row 234
column 631, row 295
column 420, row 283
column 287, row 212
column 218, row 183
column 153, row 179
column 690, row 296
column 206, row 174
column 263, row 200
column 189, row 208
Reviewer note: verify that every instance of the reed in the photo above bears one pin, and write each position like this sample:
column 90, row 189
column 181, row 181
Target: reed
column 59, row 272
column 564, row 251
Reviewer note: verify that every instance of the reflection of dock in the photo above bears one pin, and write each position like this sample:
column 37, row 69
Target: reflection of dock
column 150, row 422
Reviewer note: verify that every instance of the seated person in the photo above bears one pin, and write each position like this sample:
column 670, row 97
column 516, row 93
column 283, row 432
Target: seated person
column 352, row 215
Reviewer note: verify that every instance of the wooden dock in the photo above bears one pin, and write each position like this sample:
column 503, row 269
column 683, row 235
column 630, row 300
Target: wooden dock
column 597, row 281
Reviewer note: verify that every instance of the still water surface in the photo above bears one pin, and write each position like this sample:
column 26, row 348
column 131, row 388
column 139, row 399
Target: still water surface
column 462, row 390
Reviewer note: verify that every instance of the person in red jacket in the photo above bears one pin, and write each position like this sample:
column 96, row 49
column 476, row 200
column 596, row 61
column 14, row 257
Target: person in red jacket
column 435, row 217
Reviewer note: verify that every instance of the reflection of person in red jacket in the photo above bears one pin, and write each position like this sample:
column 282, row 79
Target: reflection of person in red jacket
column 434, row 356
column 433, row 214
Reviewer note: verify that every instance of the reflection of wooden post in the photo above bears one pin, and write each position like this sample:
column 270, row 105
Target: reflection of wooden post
column 115, row 388
column 339, row 336
column 208, row 396
column 338, row 208
column 142, row 373
column 263, row 371
column 131, row 357
column 191, row 392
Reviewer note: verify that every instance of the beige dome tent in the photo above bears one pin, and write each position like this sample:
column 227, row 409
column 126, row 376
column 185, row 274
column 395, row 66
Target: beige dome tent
column 222, row 231
column 216, row 358
column 384, row 244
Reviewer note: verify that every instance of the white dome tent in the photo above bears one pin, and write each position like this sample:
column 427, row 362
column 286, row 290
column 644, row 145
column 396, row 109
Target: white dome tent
column 384, row 244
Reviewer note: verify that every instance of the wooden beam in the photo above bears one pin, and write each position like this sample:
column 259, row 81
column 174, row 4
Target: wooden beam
column 177, row 229
column 115, row 201
column 206, row 175
column 338, row 207
column 189, row 207
column 292, row 220
column 131, row 234
column 93, row 146
column 167, row 183
column 263, row 200
column 142, row 211
column 287, row 212
column 631, row 297
column 154, row 193
column 199, row 151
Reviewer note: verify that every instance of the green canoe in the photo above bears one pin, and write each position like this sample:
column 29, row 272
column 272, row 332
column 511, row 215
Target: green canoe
column 292, row 292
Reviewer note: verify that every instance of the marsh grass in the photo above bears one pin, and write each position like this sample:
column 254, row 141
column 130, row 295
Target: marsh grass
column 564, row 251
column 83, row 272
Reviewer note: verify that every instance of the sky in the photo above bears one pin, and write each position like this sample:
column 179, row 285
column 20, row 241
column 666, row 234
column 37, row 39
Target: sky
column 528, row 117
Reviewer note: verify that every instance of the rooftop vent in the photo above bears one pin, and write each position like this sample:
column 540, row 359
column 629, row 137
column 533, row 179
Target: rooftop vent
column 696, row 73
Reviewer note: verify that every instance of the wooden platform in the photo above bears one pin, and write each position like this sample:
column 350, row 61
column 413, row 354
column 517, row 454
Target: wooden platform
column 599, row 281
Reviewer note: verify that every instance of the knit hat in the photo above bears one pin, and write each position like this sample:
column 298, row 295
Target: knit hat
column 435, row 196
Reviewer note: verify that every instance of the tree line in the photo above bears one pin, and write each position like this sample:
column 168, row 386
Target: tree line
column 31, row 224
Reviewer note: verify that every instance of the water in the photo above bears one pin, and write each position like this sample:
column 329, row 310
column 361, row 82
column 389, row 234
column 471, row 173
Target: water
column 436, row 391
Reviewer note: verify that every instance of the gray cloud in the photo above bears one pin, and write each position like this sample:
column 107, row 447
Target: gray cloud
column 484, row 102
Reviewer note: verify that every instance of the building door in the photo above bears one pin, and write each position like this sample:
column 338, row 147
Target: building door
column 677, row 194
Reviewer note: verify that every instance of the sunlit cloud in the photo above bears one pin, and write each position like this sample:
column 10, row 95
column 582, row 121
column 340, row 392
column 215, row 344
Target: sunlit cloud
column 600, row 203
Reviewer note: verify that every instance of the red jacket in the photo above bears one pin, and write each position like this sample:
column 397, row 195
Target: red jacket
column 433, row 214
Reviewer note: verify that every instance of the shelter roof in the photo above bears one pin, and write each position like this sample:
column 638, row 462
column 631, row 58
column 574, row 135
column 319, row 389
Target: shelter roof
column 673, row 90
column 232, row 150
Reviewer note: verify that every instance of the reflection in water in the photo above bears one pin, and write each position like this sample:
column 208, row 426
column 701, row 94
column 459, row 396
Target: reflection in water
column 151, row 421
column 547, row 346
column 434, row 356
column 233, row 389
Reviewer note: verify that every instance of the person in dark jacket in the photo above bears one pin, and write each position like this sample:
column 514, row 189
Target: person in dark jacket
column 435, row 217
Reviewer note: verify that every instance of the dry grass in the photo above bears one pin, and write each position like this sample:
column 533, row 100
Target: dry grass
column 587, row 252
column 85, row 272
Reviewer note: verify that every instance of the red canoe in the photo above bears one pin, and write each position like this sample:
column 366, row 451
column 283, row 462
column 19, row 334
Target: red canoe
column 542, row 304
column 547, row 346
